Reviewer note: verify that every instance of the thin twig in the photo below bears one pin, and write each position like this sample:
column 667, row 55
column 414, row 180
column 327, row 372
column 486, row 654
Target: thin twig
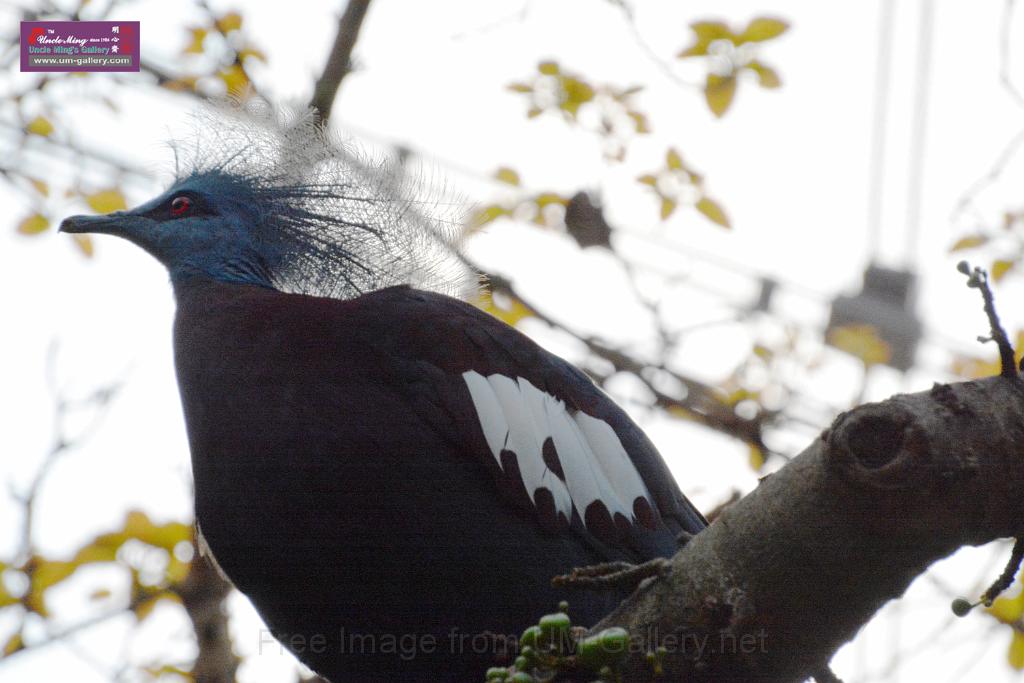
column 701, row 402
column 993, row 174
column 653, row 56
column 339, row 61
column 1006, row 578
column 978, row 278
column 611, row 575
column 100, row 399
column 1005, row 45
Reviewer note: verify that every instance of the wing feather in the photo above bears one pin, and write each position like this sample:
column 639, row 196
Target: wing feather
column 517, row 416
column 614, row 462
column 490, row 412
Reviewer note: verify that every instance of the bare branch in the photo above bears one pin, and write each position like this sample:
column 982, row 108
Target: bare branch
column 889, row 489
column 339, row 61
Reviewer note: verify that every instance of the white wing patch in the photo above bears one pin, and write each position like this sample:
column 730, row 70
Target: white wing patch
column 518, row 417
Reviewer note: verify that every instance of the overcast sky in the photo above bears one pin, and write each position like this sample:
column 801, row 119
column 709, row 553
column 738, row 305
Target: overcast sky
column 791, row 166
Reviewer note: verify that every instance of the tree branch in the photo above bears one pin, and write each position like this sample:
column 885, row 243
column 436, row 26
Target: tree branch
column 203, row 594
column 701, row 402
column 788, row 574
column 339, row 61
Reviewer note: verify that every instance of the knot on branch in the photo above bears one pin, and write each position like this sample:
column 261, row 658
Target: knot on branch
column 880, row 445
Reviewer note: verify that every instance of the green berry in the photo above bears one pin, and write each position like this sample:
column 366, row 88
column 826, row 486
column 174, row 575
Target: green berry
column 522, row 677
column 607, row 648
column 530, row 637
column 961, row 607
column 614, row 639
column 496, row 673
column 554, row 627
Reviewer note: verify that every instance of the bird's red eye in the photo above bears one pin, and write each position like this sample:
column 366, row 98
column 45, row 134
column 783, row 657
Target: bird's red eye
column 180, row 205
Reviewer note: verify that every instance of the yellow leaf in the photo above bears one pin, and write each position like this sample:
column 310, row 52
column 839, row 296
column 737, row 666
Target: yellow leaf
column 43, row 575
column 577, row 93
column 755, row 456
column 861, row 341
column 195, row 45
column 40, row 125
column 667, row 207
column 84, row 244
column 177, row 570
column 138, row 525
column 507, row 175
column 100, row 594
column 762, row 28
column 705, row 33
column 34, row 224
column 695, row 50
column 6, row 598
column 106, row 201
column 486, row 215
column 533, row 112
column 681, row 413
column 511, row 313
column 235, row 78
column 146, row 606
column 1007, row 610
column 182, row 84
column 719, row 91
column 648, row 179
column 969, row 242
column 1000, row 268
column 766, row 76
column 232, row 21
column 763, row 352
column 713, row 211
column 738, row 395
column 1015, row 656
column 519, row 87
column 708, row 31
column 251, row 52
column 160, row 672
column 545, row 199
column 13, row 644
column 548, row 68
column 973, row 368
column 40, row 186
column 673, row 160
column 640, row 123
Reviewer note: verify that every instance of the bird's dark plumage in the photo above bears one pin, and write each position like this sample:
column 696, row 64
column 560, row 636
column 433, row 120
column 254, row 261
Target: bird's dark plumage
column 388, row 473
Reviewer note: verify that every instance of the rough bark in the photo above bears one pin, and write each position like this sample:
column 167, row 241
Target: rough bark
column 790, row 572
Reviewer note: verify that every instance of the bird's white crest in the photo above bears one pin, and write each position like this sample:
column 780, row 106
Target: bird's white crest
column 331, row 221
column 517, row 416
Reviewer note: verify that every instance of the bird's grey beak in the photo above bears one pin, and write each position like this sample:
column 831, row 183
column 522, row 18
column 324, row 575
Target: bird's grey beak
column 109, row 224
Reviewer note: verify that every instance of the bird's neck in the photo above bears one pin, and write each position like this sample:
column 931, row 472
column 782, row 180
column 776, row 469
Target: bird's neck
column 192, row 285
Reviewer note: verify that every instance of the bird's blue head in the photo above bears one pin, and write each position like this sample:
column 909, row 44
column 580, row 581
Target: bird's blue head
column 202, row 226
column 269, row 199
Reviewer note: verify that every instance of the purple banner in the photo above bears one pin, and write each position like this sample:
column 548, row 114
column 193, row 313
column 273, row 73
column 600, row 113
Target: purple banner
column 79, row 46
